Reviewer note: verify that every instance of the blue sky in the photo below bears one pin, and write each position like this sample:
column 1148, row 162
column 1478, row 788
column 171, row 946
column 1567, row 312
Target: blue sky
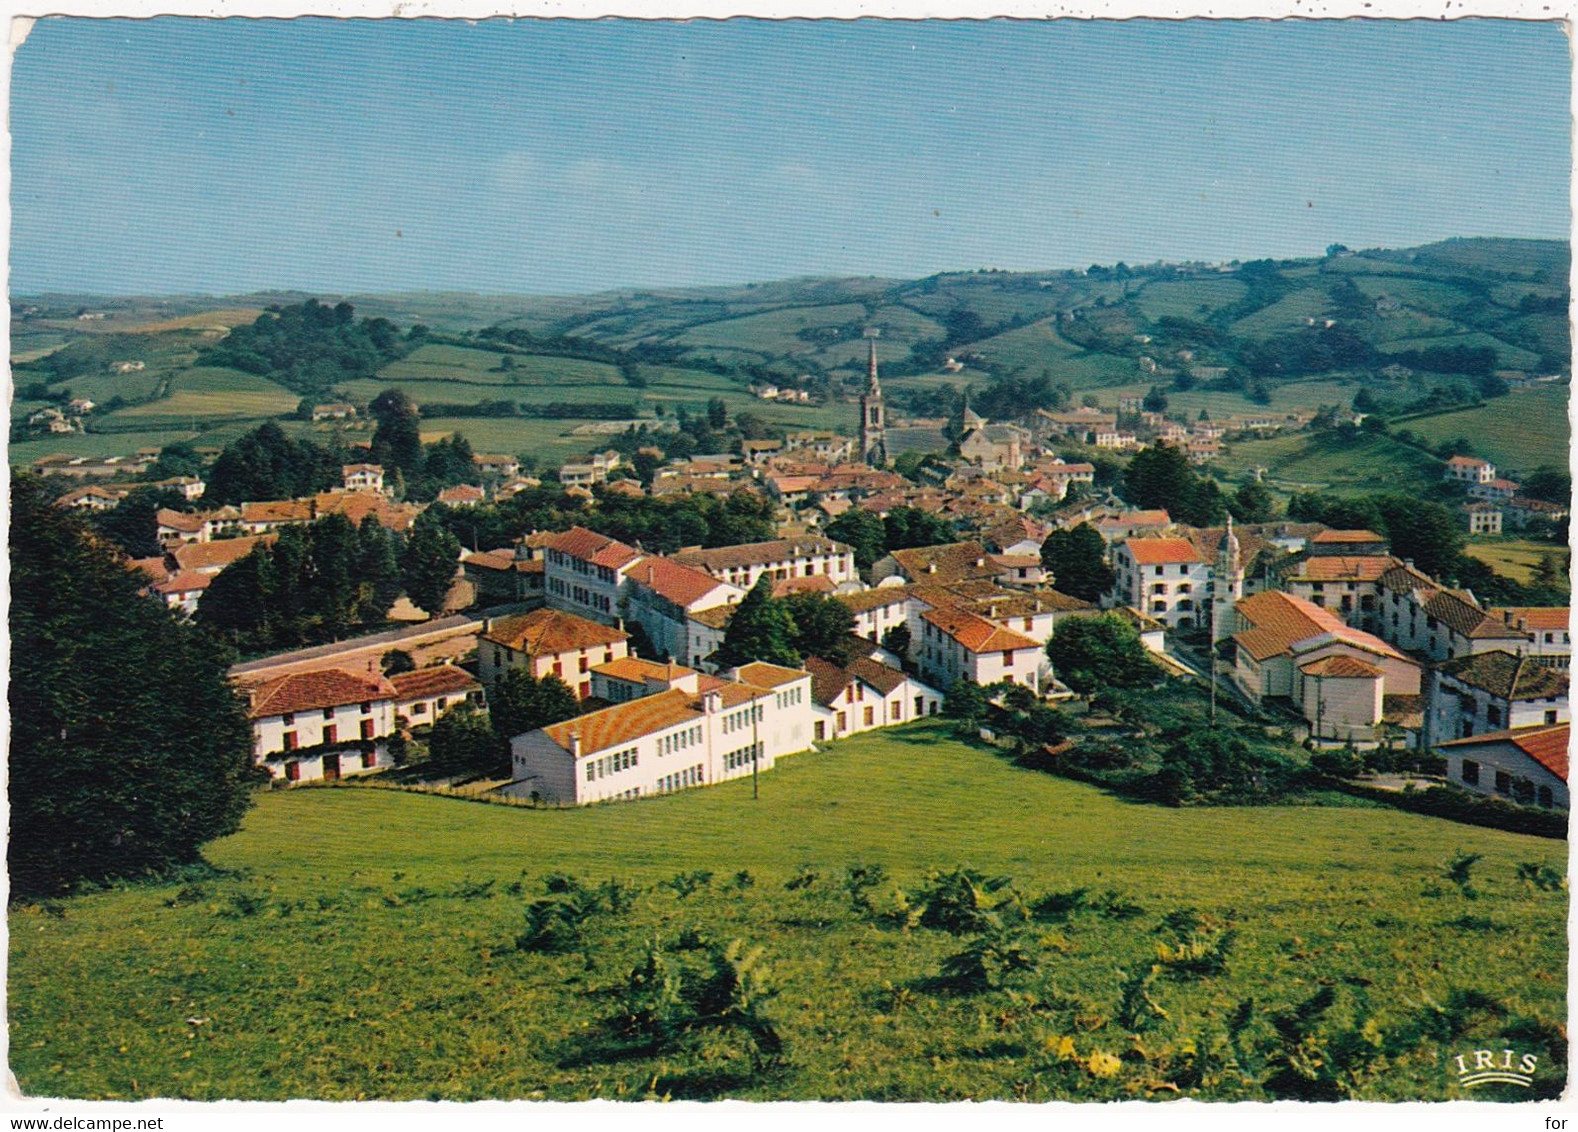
column 173, row 155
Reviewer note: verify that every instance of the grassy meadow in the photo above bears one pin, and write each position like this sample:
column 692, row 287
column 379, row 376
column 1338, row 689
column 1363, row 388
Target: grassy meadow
column 362, row 943
column 1515, row 558
column 1517, row 433
column 1326, row 461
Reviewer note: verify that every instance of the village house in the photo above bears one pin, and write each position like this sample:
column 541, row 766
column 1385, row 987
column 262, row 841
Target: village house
column 1481, row 517
column 1337, row 677
column 424, row 695
column 632, row 678
column 1497, row 490
column 1546, row 629
column 462, row 495
column 214, row 556
column 334, row 411
column 1468, row 469
column 1527, row 765
column 954, row 644
column 189, row 487
column 358, row 505
column 1349, row 586
column 585, row 572
column 362, row 477
column 1492, row 691
column 1420, row 615
column 1164, row 578
column 512, row 575
column 744, row 564
column 826, row 446
column 878, row 610
column 549, row 642
column 323, row 725
column 174, row 527
column 270, row 515
column 660, row 596
column 95, row 498
column 499, row 467
column 865, row 694
column 700, row 731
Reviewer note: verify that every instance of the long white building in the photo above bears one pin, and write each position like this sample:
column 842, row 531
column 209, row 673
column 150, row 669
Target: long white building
column 683, row 729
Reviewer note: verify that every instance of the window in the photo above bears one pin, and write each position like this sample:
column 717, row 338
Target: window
column 328, row 713
column 1545, row 797
column 331, row 733
column 870, row 716
column 1493, row 715
column 1550, row 717
column 288, row 718
column 369, row 759
column 1471, row 772
column 291, row 743
column 584, row 663
column 367, row 729
column 418, row 709
column 293, row 771
column 1503, row 782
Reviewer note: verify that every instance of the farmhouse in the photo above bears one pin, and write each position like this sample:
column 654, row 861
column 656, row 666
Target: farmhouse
column 1468, row 469
column 1527, row 765
column 549, row 642
column 321, row 725
column 508, row 576
column 955, row 644
column 949, row 562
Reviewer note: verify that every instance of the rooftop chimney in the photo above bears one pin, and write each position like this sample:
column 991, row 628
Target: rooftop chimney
column 575, row 744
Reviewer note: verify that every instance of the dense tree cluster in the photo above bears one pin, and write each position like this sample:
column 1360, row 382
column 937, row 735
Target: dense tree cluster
column 267, row 464
column 1160, row 477
column 102, row 784
column 762, row 629
column 314, row 584
column 1093, row 654
column 871, row 536
column 1077, row 560
column 309, row 348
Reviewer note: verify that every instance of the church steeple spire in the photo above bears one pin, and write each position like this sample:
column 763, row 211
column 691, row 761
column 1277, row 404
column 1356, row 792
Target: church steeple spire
column 873, row 416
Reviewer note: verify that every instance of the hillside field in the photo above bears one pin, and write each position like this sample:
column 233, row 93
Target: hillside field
column 1517, row 433
column 1315, row 461
column 361, row 943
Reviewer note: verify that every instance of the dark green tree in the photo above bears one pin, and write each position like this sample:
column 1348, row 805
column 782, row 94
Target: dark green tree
column 1426, row 532
column 908, row 527
column 101, row 784
column 464, row 741
column 897, row 640
column 377, row 571
column 1550, row 484
column 267, row 464
column 760, row 630
column 132, row 524
column 429, row 563
column 822, row 626
column 1078, row 562
column 1091, row 654
column 397, row 441
column 717, row 414
column 965, row 702
column 1155, row 400
column 520, row 702
column 865, row 533
column 1253, row 503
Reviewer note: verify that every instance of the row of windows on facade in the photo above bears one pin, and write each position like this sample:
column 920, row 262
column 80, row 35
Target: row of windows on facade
column 690, row 776
column 293, row 767
column 580, row 595
column 679, row 741
column 734, row 760
column 738, row 719
column 580, row 566
column 791, row 697
column 778, row 573
column 933, row 632
column 611, row 764
column 1521, row 788
column 331, row 734
column 328, row 713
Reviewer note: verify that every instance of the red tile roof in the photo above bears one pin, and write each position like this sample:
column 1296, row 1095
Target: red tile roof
column 309, row 691
column 950, row 562
column 634, row 670
column 439, row 680
column 1342, row 568
column 761, row 675
column 1328, row 537
column 1162, row 551
column 179, row 520
column 1279, row 621
column 1339, row 667
column 544, row 632
column 183, row 582
column 589, row 546
column 1545, row 744
column 215, row 556
column 669, row 579
column 977, row 633
column 815, row 584
column 1537, row 618
column 760, row 553
column 278, row 511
